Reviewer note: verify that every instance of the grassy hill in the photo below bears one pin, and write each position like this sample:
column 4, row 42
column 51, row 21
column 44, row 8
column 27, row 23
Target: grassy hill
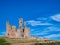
column 3, row 41
column 7, row 41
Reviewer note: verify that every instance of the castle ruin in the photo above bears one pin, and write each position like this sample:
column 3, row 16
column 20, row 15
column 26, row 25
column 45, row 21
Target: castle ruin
column 12, row 32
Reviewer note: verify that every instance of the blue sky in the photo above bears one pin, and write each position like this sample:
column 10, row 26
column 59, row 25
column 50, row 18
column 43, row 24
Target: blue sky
column 42, row 16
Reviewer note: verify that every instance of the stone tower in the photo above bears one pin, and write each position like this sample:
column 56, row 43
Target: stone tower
column 19, row 32
column 8, row 28
column 26, row 31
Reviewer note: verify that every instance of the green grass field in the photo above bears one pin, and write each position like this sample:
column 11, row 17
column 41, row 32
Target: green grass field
column 3, row 41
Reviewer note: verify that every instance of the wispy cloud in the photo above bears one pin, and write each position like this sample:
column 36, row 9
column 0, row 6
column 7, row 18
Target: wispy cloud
column 37, row 23
column 52, row 36
column 46, row 31
column 49, row 30
column 56, row 17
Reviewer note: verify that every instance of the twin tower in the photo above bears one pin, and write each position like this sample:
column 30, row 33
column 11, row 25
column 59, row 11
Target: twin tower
column 21, row 32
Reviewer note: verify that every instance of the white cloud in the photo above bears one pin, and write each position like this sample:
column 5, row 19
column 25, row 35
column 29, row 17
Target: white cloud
column 53, row 36
column 46, row 31
column 53, row 28
column 56, row 17
column 42, row 18
column 50, row 29
column 36, row 23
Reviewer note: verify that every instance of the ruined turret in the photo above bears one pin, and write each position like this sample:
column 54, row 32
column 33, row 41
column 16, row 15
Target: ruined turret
column 8, row 28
